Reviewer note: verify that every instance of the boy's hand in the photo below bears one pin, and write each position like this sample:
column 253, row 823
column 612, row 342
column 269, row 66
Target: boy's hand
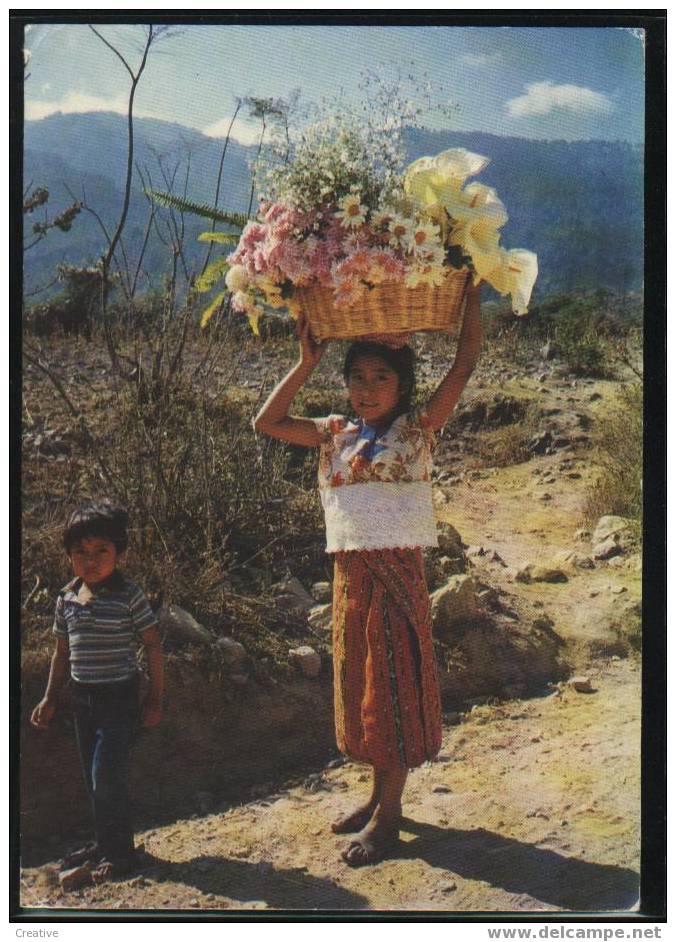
column 151, row 712
column 311, row 352
column 43, row 714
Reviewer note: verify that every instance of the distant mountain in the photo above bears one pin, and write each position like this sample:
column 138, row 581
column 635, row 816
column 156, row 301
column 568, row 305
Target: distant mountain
column 579, row 205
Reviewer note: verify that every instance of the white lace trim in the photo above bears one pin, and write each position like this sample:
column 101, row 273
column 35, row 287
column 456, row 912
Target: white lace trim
column 379, row 515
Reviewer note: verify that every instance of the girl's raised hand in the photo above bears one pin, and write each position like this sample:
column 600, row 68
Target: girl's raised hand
column 311, row 352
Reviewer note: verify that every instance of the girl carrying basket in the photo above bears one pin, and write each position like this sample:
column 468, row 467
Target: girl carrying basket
column 375, row 485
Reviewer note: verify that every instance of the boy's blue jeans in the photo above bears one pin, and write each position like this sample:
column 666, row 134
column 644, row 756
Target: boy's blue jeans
column 105, row 724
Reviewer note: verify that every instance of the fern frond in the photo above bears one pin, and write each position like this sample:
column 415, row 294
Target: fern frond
column 211, row 275
column 239, row 220
column 224, row 238
column 211, row 308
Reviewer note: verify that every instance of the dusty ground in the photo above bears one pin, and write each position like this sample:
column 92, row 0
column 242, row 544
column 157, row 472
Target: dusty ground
column 533, row 805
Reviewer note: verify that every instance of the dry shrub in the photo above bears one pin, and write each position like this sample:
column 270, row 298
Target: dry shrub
column 619, row 457
column 508, row 444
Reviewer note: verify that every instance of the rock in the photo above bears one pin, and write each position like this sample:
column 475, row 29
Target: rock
column 539, row 443
column 233, row 653
column 320, row 618
column 582, row 534
column 533, row 573
column 594, row 396
column 581, row 684
column 573, row 560
column 322, row 592
column 454, row 603
column 618, row 589
column 449, row 887
column 441, row 790
column 495, row 557
column 180, row 626
column 75, row 878
column 449, row 540
column 607, row 549
column 546, row 496
column 291, row 594
column 610, row 526
column 307, row 660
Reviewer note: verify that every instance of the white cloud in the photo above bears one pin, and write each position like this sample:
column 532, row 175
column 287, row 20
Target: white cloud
column 244, row 132
column 542, row 98
column 76, row 103
column 481, row 59
column 45, row 88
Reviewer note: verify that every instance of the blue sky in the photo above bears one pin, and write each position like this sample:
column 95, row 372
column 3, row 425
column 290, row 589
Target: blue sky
column 544, row 83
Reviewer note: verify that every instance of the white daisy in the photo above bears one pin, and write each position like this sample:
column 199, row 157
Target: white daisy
column 351, row 213
column 425, row 274
column 422, row 237
column 399, row 227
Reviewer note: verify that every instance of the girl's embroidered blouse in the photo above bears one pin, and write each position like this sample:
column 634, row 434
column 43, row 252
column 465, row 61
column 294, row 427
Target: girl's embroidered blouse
column 353, row 453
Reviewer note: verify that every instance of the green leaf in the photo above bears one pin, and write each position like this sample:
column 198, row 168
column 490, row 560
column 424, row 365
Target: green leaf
column 198, row 209
column 224, row 238
column 211, row 308
column 211, row 275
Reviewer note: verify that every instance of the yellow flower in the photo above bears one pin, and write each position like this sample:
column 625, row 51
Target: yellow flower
column 351, row 213
column 515, row 275
column 432, row 182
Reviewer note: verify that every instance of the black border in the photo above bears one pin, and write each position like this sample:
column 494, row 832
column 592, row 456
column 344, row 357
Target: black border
column 653, row 752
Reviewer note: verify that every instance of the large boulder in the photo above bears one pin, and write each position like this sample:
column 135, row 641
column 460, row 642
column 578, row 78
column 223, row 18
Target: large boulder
column 291, row 594
column 234, row 653
column 455, row 603
column 320, row 618
column 180, row 626
column 306, row 660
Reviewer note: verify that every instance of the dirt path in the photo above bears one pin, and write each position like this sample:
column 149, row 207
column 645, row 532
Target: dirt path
column 532, row 804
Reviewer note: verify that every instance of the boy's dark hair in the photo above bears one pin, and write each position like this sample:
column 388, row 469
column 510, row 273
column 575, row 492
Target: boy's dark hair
column 399, row 359
column 97, row 518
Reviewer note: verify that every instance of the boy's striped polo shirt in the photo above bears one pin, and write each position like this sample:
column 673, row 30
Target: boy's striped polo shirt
column 102, row 624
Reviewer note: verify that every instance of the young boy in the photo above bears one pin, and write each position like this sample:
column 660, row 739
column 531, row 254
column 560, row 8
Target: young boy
column 100, row 615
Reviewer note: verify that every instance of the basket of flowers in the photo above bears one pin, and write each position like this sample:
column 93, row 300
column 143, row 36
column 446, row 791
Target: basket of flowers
column 362, row 248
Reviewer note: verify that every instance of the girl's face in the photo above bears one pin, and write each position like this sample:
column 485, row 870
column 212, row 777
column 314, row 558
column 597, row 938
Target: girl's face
column 374, row 389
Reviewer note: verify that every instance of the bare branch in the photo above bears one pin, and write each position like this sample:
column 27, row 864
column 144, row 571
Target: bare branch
column 113, row 49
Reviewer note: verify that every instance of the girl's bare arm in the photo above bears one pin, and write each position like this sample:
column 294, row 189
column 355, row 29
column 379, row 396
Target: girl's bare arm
column 443, row 400
column 274, row 418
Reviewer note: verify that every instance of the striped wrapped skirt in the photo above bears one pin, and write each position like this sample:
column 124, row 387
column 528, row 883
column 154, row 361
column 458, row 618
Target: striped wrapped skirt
column 387, row 706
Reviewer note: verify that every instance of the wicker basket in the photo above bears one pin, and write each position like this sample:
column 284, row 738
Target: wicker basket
column 388, row 308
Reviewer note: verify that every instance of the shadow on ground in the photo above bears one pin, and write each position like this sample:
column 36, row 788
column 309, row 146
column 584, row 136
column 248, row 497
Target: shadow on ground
column 246, row 882
column 547, row 876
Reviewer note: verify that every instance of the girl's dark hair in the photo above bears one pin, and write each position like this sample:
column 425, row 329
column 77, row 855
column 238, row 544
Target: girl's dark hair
column 98, row 518
column 399, row 359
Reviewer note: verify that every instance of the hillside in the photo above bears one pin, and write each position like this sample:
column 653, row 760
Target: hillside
column 578, row 205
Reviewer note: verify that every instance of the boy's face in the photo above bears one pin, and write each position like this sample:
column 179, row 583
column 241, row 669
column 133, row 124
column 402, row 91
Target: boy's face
column 93, row 559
